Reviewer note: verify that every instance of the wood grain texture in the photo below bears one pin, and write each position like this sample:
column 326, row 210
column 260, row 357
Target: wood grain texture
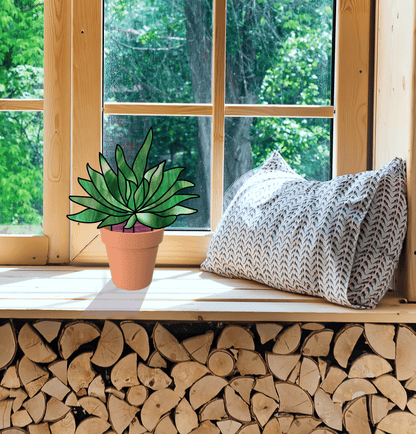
column 289, row 111
column 184, row 294
column 21, row 104
column 395, row 113
column 218, row 100
column 24, row 249
column 86, row 105
column 154, row 109
column 351, row 86
column 57, row 128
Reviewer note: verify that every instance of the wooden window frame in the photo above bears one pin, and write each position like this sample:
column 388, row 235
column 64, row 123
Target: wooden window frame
column 73, row 112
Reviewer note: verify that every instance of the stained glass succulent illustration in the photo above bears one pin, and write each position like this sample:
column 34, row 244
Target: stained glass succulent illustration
column 133, row 194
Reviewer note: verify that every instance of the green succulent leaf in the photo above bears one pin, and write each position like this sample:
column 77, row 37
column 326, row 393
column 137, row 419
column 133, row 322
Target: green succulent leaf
column 130, row 223
column 148, row 175
column 123, row 166
column 139, row 195
column 140, row 162
column 122, row 185
column 153, row 220
column 177, row 210
column 132, row 187
column 100, row 185
column 177, row 186
column 169, row 178
column 88, row 216
column 113, row 220
column 93, row 204
column 171, row 202
column 110, row 178
column 90, row 189
column 155, row 181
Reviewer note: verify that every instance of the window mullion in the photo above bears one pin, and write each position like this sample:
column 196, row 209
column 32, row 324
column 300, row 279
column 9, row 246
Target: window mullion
column 218, row 99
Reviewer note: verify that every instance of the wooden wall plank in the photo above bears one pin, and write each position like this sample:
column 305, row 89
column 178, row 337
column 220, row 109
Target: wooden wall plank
column 395, row 112
column 86, row 105
column 351, row 86
column 22, row 104
column 24, row 249
column 218, row 100
column 57, row 128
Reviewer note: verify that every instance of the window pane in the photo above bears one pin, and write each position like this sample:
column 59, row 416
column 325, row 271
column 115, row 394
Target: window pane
column 279, row 52
column 181, row 142
column 21, row 172
column 21, row 49
column 157, row 51
column 304, row 143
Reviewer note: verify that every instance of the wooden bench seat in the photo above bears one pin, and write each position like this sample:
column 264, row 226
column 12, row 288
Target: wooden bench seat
column 176, row 294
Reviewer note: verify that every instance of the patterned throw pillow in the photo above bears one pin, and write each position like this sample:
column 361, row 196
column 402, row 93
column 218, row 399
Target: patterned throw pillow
column 340, row 239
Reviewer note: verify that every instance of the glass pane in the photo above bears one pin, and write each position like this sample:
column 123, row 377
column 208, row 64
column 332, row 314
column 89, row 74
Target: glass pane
column 181, row 142
column 304, row 143
column 21, row 172
column 279, row 52
column 157, row 51
column 21, row 49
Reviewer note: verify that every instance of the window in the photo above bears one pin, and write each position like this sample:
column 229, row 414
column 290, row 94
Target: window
column 225, row 95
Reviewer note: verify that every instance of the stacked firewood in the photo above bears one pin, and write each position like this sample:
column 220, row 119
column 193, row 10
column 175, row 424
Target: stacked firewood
column 126, row 377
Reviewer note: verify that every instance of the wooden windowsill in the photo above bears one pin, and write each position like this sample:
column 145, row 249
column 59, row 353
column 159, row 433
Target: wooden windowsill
column 176, row 294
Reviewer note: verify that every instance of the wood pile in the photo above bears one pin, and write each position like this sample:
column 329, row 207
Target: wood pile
column 125, row 377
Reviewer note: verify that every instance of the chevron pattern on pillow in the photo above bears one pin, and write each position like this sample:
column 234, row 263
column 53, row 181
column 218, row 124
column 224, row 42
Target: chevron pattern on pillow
column 339, row 240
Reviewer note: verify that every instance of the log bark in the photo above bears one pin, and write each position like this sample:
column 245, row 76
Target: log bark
column 110, row 346
column 74, row 335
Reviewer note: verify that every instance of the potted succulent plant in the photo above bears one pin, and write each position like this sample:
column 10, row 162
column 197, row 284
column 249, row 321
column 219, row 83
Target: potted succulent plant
column 134, row 205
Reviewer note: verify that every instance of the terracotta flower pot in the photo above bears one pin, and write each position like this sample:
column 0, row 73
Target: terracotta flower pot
column 132, row 256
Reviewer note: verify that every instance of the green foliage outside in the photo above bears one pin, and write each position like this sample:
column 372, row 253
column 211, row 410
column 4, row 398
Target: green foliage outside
column 278, row 52
column 21, row 133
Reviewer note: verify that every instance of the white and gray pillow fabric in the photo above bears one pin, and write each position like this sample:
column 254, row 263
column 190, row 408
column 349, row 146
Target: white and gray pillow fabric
column 340, row 239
